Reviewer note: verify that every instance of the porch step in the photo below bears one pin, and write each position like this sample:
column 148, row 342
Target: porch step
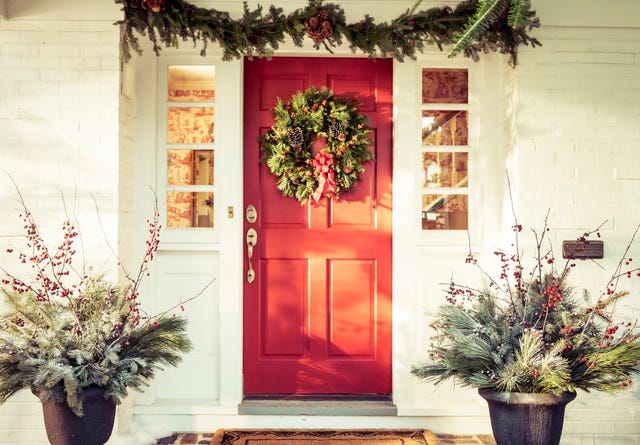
column 443, row 439
column 318, row 407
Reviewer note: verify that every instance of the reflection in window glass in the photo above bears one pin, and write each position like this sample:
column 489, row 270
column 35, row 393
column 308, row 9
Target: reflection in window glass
column 188, row 83
column 445, row 86
column 190, row 167
column 190, row 125
column 445, row 169
column 446, row 127
column 445, row 212
column 189, row 209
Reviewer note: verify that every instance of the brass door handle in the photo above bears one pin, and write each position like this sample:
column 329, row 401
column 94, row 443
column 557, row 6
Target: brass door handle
column 252, row 240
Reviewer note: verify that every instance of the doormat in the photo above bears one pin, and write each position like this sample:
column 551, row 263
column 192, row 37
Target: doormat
column 443, row 439
column 324, row 437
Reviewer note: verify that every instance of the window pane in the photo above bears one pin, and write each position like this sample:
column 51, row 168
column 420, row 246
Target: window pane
column 445, row 169
column 190, row 209
column 446, row 127
column 191, row 83
column 190, row 167
column 445, row 212
column 190, row 126
column 445, row 86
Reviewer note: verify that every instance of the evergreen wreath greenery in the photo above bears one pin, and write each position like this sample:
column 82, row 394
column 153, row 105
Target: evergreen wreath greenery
column 67, row 329
column 470, row 28
column 289, row 144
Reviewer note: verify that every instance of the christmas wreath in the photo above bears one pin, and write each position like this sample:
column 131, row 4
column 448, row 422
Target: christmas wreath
column 317, row 144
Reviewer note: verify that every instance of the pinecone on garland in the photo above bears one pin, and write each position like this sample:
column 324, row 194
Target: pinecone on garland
column 153, row 5
column 319, row 27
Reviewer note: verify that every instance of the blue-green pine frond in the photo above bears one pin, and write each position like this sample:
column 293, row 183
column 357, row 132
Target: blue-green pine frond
column 517, row 18
column 488, row 12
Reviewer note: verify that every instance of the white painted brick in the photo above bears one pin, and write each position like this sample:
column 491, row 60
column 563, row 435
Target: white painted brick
column 626, row 70
column 603, row 40
column 592, row 426
column 627, row 427
column 616, row 440
column 37, row 87
column 575, row 57
column 82, row 63
column 10, row 61
column 78, row 88
column 615, row 58
column 40, row 62
column 105, row 27
column 101, row 50
column 46, row 113
column 562, row 95
column 631, row 96
column 591, row 173
column 593, row 95
column 8, row 87
column 6, row 114
column 110, row 62
column 50, row 50
column 576, row 440
column 60, row 75
column 17, row 74
column 8, row 135
column 66, row 38
column 627, row 173
column 19, row 25
column 109, row 37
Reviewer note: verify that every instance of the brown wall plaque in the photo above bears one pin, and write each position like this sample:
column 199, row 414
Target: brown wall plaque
column 583, row 249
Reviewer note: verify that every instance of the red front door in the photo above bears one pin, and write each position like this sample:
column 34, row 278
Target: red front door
column 317, row 318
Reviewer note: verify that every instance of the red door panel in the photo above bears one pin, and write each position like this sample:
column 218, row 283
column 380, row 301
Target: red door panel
column 283, row 311
column 352, row 323
column 317, row 318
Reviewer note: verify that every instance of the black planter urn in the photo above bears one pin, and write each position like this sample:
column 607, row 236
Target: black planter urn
column 526, row 418
column 93, row 428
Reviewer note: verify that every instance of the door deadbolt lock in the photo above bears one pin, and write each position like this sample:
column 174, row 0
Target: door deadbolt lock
column 251, row 214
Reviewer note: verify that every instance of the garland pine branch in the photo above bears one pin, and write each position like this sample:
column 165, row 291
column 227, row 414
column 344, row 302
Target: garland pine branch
column 472, row 27
column 518, row 13
column 488, row 12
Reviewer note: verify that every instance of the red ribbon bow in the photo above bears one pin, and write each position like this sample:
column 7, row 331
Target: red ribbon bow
column 323, row 165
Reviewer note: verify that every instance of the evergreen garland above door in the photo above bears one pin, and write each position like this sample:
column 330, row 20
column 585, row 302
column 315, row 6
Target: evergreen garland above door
column 471, row 28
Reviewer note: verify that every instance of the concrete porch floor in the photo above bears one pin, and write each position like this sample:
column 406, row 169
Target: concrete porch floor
column 445, row 439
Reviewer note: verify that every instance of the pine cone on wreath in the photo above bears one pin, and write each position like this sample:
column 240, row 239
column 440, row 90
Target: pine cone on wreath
column 296, row 138
column 335, row 128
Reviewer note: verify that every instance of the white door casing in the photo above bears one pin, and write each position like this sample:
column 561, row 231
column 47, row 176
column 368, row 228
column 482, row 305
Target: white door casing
column 415, row 270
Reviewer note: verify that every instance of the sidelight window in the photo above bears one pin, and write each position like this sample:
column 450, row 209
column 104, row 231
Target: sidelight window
column 445, row 149
column 190, row 142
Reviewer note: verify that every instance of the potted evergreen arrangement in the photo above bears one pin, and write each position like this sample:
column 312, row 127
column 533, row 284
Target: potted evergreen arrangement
column 528, row 340
column 78, row 340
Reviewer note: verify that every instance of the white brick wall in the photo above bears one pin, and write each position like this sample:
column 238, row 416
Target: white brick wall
column 58, row 134
column 577, row 145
